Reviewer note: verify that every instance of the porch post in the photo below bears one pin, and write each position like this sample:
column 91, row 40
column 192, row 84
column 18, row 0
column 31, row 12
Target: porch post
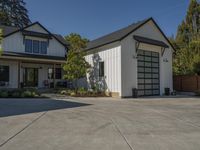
column 54, row 75
column 19, row 73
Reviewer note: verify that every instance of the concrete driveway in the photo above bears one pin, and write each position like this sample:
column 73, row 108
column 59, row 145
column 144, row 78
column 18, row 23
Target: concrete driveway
column 100, row 124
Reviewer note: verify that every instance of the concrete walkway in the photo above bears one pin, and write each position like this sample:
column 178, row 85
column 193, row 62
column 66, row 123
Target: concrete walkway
column 100, row 124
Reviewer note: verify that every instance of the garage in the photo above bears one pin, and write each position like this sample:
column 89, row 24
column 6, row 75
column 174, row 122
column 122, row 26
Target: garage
column 148, row 73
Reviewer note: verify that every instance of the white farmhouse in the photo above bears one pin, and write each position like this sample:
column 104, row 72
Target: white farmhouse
column 138, row 56
column 32, row 57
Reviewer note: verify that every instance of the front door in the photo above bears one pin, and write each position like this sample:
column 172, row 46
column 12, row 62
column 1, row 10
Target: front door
column 30, row 77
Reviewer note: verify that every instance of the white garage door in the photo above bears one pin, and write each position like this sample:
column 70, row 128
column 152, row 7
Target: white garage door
column 148, row 73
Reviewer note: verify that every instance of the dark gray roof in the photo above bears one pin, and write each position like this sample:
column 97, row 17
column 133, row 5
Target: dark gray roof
column 115, row 36
column 35, row 56
column 8, row 30
column 150, row 41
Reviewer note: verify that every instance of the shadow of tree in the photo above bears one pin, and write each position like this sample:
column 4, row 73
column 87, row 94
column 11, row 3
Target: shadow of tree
column 96, row 82
column 13, row 107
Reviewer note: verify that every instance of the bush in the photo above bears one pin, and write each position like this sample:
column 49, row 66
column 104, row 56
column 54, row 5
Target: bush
column 4, row 94
column 27, row 94
column 16, row 94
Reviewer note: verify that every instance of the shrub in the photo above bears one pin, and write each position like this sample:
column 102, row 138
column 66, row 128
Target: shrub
column 4, row 94
column 63, row 92
column 27, row 94
column 72, row 94
column 16, row 94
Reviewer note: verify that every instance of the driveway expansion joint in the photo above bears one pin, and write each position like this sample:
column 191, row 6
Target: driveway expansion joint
column 123, row 136
column 28, row 125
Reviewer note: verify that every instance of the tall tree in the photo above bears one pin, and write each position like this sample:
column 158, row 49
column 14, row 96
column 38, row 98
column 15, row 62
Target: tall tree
column 76, row 41
column 188, row 41
column 76, row 66
column 14, row 13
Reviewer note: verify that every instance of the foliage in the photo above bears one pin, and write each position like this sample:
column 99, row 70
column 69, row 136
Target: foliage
column 76, row 66
column 76, row 42
column 187, row 42
column 14, row 13
column 19, row 93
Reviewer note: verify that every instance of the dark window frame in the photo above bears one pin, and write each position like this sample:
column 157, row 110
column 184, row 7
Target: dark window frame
column 101, row 69
column 4, row 73
column 27, row 46
column 37, row 51
column 43, row 47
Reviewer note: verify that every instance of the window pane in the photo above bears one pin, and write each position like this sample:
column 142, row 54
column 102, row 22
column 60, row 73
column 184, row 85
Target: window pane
column 43, row 47
column 141, row 92
column 155, row 92
column 28, row 46
column 35, row 46
column 140, row 69
column 4, row 73
column 155, row 65
column 155, row 59
column 155, row 70
column 147, row 64
column 58, row 73
column 141, row 75
column 140, row 63
column 140, row 52
column 140, row 81
column 155, row 86
column 147, row 58
column 140, row 86
column 148, row 92
column 155, row 76
column 101, row 69
column 147, row 75
column 140, row 57
column 147, row 69
column 148, row 81
column 155, row 54
column 148, row 87
column 147, row 53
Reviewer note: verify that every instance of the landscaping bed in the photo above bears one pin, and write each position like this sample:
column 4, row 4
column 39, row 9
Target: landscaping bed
column 81, row 92
column 19, row 93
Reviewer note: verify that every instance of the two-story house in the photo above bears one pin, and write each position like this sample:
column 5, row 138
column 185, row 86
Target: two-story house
column 32, row 57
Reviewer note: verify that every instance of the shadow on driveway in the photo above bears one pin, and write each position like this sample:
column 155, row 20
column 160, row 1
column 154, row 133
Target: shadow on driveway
column 13, row 107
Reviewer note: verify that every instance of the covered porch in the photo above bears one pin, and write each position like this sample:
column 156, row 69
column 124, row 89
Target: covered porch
column 25, row 71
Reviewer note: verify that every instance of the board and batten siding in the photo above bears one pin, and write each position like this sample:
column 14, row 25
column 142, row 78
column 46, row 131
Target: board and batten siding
column 15, row 43
column 111, row 56
column 129, row 60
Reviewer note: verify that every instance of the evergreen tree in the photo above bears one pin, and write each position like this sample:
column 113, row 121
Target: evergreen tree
column 188, row 41
column 14, row 13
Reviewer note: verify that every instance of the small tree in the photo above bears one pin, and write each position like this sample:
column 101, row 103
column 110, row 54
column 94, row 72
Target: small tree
column 76, row 67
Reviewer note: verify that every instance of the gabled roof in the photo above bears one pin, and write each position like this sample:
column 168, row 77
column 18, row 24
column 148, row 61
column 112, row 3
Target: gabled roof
column 121, row 34
column 9, row 30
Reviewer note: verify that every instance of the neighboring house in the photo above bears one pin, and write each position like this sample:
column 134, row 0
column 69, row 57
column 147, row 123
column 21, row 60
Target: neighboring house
column 138, row 56
column 30, row 57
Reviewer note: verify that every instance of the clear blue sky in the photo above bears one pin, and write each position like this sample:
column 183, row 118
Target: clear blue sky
column 94, row 18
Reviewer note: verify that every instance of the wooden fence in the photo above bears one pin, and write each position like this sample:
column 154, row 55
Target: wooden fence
column 186, row 83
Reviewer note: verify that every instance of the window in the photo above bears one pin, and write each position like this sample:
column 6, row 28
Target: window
column 43, row 47
column 36, row 47
column 58, row 73
column 50, row 73
column 4, row 73
column 101, row 69
column 28, row 46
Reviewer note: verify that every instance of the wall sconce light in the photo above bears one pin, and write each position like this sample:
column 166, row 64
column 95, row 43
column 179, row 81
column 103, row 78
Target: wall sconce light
column 165, row 60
